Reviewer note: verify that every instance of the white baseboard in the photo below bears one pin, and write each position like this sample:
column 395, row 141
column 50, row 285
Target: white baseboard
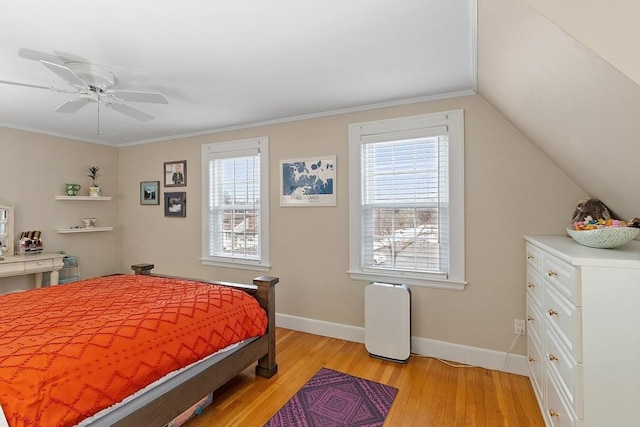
column 489, row 359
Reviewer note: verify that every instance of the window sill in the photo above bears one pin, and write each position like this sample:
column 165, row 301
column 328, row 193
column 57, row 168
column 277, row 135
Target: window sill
column 399, row 277
column 232, row 263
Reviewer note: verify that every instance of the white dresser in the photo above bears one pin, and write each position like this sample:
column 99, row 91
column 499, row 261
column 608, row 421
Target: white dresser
column 583, row 341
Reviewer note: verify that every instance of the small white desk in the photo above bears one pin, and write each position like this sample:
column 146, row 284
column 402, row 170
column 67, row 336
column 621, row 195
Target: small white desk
column 19, row 265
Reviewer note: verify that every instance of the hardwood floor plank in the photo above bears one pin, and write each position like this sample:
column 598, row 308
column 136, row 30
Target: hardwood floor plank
column 413, row 389
column 456, row 408
column 430, row 392
column 401, row 379
column 474, row 403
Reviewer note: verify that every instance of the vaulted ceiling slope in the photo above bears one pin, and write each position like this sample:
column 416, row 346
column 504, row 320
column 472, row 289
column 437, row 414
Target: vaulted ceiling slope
column 223, row 64
column 575, row 106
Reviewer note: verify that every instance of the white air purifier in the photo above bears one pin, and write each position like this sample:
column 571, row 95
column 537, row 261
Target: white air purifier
column 387, row 321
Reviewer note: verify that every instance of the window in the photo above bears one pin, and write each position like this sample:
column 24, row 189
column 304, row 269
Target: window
column 406, row 192
column 235, row 214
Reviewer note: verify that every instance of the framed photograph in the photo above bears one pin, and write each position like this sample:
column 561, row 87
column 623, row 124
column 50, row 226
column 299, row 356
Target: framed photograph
column 175, row 173
column 175, row 204
column 308, row 182
column 150, row 193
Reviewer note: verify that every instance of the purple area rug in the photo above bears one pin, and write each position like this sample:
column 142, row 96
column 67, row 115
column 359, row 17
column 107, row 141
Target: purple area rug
column 332, row 398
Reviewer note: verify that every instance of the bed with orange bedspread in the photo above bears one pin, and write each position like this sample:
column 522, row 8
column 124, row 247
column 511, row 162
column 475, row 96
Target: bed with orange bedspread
column 69, row 352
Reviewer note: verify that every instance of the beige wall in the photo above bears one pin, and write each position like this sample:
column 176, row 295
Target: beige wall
column 511, row 190
column 34, row 169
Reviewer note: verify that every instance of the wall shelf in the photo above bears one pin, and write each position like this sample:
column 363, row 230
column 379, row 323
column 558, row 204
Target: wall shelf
column 83, row 230
column 84, row 198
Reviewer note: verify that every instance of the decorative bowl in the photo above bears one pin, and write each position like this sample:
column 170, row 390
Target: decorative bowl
column 604, row 238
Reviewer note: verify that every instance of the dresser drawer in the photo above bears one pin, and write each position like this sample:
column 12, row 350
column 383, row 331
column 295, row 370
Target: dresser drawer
column 11, row 268
column 534, row 322
column 535, row 286
column 563, row 276
column 565, row 319
column 534, row 257
column 38, row 265
column 558, row 411
column 536, row 364
column 567, row 371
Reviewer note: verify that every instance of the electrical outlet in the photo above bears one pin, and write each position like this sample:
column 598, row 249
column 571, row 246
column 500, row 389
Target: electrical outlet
column 518, row 326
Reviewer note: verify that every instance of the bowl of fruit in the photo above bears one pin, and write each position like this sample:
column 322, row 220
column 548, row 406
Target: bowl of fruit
column 601, row 233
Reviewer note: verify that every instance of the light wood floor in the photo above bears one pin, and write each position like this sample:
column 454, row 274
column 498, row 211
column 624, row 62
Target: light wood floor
column 431, row 393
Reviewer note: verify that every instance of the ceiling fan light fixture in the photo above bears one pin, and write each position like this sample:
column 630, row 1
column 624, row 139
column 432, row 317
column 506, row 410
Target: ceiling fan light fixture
column 94, row 75
column 88, row 96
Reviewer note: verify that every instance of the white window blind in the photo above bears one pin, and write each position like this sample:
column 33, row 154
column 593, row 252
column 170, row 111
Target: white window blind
column 234, row 214
column 234, row 211
column 406, row 190
column 404, row 204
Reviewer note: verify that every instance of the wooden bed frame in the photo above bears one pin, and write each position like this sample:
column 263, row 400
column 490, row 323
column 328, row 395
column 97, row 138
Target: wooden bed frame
column 263, row 350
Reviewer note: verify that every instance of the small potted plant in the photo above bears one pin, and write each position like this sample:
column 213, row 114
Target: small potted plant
column 94, row 190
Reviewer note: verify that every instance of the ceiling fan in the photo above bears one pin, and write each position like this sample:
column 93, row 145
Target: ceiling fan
column 95, row 84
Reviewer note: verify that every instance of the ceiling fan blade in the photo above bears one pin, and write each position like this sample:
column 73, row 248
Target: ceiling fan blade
column 131, row 112
column 72, row 105
column 56, row 58
column 136, row 96
column 55, row 89
column 23, row 84
column 67, row 75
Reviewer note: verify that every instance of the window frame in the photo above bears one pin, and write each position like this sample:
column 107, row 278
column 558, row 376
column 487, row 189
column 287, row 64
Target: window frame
column 223, row 149
column 453, row 124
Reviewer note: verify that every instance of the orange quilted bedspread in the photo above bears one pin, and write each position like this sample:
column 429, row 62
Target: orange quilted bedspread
column 67, row 352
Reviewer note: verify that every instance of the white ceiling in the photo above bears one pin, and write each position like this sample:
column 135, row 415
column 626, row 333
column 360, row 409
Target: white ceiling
column 226, row 64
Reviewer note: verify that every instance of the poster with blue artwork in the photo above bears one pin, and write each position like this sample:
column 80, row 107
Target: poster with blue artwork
column 308, row 182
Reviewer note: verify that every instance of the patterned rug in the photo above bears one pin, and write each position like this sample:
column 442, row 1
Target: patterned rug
column 332, row 398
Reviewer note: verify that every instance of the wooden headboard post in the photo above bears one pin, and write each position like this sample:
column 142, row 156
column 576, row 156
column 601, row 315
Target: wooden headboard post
column 143, row 268
column 267, row 366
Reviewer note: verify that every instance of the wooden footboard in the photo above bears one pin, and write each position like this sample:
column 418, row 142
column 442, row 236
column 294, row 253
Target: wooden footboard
column 263, row 350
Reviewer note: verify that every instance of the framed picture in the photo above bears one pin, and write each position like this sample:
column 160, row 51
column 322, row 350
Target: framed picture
column 175, row 174
column 150, row 193
column 308, row 182
column 175, row 204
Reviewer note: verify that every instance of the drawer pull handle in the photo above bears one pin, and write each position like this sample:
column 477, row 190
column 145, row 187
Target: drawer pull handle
column 530, row 285
column 532, row 359
column 553, row 413
column 529, row 256
column 530, row 319
column 551, row 273
column 553, row 357
column 552, row 312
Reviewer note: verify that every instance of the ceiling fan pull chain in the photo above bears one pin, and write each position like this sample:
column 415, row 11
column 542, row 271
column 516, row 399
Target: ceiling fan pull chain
column 98, row 131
